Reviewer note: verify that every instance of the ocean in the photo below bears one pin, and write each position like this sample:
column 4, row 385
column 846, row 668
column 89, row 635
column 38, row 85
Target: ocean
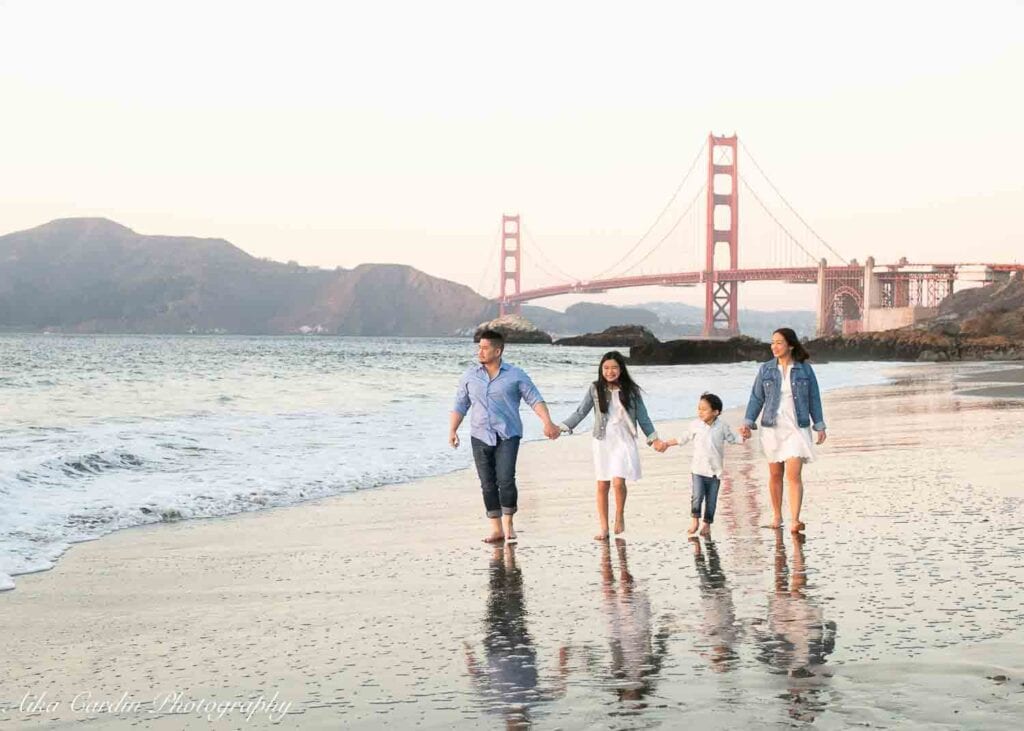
column 99, row 433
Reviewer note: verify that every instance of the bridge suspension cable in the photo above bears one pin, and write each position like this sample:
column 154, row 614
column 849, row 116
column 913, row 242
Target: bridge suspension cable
column 671, row 230
column 535, row 263
column 778, row 223
column 789, row 206
column 495, row 246
column 686, row 176
column 534, row 247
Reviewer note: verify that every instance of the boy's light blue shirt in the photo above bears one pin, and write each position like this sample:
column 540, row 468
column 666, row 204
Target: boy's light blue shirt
column 495, row 401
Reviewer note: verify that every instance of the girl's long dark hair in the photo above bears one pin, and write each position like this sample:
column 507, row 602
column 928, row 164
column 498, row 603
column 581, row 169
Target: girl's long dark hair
column 799, row 353
column 628, row 389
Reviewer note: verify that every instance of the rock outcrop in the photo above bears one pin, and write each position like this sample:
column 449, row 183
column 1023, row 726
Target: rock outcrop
column 617, row 336
column 676, row 352
column 515, row 329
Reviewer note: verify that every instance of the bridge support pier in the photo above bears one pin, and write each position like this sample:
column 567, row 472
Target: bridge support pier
column 510, row 265
column 721, row 315
column 821, row 319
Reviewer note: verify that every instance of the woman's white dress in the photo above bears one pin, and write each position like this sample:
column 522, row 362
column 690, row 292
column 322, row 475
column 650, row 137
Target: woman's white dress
column 786, row 439
column 617, row 455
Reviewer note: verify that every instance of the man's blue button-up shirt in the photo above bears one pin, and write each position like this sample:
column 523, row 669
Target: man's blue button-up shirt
column 495, row 401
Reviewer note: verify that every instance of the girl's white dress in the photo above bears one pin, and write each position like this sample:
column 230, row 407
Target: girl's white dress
column 786, row 439
column 617, row 455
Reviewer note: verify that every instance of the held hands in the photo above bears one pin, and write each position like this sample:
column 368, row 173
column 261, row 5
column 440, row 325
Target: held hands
column 552, row 431
column 660, row 446
column 745, row 432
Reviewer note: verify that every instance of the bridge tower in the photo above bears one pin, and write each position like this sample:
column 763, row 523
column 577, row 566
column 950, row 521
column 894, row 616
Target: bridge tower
column 510, row 255
column 720, row 308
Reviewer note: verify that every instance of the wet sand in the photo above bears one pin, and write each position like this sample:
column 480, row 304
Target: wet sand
column 902, row 609
column 1014, row 376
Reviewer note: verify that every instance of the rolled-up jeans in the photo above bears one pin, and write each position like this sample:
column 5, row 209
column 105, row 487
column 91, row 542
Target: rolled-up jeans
column 705, row 490
column 497, row 469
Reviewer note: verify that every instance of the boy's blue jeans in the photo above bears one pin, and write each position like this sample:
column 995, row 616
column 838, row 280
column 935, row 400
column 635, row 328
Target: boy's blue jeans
column 705, row 490
column 497, row 469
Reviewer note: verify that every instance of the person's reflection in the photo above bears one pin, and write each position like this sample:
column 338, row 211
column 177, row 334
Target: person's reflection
column 509, row 683
column 798, row 637
column 636, row 656
column 720, row 627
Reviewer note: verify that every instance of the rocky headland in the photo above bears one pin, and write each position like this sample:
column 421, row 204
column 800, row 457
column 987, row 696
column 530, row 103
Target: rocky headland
column 984, row 323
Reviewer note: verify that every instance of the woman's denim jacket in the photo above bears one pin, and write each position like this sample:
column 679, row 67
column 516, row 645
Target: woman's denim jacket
column 636, row 410
column 768, row 387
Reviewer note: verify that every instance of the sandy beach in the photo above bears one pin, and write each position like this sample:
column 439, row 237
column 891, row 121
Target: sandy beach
column 901, row 609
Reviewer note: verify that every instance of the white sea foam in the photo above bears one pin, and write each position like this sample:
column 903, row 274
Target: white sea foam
column 103, row 433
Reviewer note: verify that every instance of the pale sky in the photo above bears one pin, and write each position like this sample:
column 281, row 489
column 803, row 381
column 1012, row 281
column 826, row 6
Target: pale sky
column 339, row 133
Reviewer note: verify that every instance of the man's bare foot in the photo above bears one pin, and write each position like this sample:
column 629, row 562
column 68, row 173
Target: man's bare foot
column 602, row 536
column 694, row 525
column 705, row 530
column 620, row 524
column 797, row 527
column 511, row 535
column 494, row 538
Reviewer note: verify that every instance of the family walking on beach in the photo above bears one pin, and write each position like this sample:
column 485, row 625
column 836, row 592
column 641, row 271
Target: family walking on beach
column 785, row 396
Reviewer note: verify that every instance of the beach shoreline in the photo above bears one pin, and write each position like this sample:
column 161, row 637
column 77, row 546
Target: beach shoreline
column 366, row 608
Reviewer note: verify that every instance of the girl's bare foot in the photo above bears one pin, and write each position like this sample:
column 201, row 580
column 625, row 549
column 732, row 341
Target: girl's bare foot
column 775, row 523
column 494, row 538
column 694, row 525
column 620, row 524
column 797, row 527
column 602, row 536
column 705, row 530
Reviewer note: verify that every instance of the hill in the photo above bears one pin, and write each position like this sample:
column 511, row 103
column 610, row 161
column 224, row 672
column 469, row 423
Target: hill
column 95, row 275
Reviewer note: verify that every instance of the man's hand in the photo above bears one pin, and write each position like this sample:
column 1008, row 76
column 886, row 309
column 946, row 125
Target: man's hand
column 745, row 432
column 551, row 430
column 453, row 439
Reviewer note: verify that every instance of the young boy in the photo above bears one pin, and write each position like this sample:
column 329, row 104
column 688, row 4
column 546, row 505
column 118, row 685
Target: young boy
column 709, row 435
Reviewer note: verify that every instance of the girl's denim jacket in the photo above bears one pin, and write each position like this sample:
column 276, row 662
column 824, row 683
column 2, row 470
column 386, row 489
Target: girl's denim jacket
column 636, row 410
column 768, row 387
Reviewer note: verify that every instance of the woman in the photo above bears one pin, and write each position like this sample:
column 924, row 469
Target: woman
column 786, row 396
column 616, row 458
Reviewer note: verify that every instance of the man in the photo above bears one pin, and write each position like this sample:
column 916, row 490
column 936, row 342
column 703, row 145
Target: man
column 494, row 389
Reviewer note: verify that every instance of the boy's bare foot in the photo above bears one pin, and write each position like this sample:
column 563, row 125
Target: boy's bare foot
column 494, row 538
column 694, row 525
column 705, row 530
column 797, row 527
column 620, row 524
column 602, row 536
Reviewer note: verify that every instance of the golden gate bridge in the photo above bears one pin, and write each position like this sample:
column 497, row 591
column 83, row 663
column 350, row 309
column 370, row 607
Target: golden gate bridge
column 851, row 297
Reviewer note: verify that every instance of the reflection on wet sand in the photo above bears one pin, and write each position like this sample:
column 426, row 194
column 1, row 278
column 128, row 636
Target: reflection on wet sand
column 796, row 639
column 636, row 653
column 720, row 629
column 508, row 682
